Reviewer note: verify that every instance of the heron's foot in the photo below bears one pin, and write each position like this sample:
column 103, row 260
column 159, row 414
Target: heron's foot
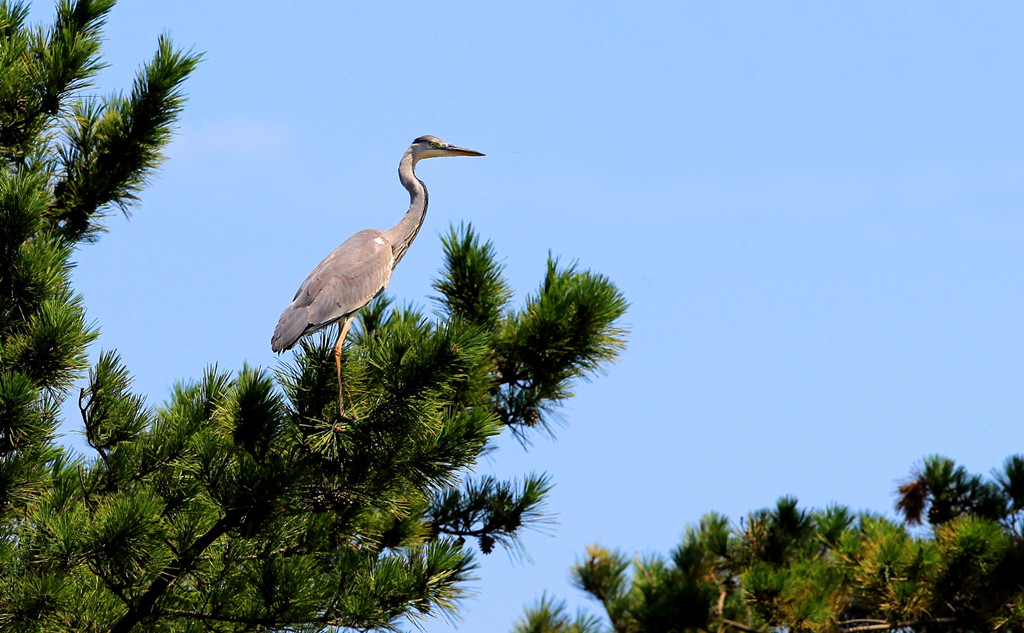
column 343, row 421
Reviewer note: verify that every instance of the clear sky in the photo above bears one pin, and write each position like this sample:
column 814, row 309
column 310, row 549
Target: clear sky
column 814, row 207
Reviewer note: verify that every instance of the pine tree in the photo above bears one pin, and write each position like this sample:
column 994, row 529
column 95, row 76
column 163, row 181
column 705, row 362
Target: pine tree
column 789, row 569
column 244, row 502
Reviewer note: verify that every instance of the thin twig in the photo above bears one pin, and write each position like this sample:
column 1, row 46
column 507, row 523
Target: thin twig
column 898, row 625
column 743, row 627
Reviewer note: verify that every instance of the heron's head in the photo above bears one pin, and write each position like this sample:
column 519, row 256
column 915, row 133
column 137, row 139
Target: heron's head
column 433, row 147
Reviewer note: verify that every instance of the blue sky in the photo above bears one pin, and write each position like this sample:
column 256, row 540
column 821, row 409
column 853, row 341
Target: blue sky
column 814, row 208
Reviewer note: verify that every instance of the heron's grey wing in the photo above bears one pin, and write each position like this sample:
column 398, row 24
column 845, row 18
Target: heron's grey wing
column 346, row 280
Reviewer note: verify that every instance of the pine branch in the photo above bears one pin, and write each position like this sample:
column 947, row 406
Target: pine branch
column 472, row 287
column 489, row 510
column 113, row 149
column 42, row 70
column 145, row 606
column 267, row 622
column 741, row 627
column 890, row 626
column 569, row 329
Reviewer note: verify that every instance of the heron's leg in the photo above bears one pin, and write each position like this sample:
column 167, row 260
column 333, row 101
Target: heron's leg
column 343, row 332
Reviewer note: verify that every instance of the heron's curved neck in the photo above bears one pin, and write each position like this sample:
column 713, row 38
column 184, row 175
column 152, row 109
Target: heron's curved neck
column 403, row 233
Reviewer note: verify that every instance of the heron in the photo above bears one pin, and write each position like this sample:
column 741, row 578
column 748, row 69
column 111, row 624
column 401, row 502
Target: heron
column 356, row 272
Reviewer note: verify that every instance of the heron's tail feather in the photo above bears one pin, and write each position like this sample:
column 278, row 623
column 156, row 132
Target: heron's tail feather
column 290, row 328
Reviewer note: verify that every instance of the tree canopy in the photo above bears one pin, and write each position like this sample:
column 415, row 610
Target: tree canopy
column 823, row 570
column 245, row 502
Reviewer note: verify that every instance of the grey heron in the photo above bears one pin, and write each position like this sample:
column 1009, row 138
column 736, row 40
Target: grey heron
column 359, row 270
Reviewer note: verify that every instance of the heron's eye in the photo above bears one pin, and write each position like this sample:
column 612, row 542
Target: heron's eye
column 436, row 145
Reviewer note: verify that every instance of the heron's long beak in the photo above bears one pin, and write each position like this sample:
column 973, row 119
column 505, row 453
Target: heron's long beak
column 455, row 150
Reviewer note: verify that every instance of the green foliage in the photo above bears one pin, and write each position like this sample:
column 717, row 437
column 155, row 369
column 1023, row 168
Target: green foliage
column 941, row 490
column 568, row 329
column 549, row 616
column 245, row 502
column 113, row 147
column 489, row 509
column 788, row 569
column 472, row 288
column 686, row 591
